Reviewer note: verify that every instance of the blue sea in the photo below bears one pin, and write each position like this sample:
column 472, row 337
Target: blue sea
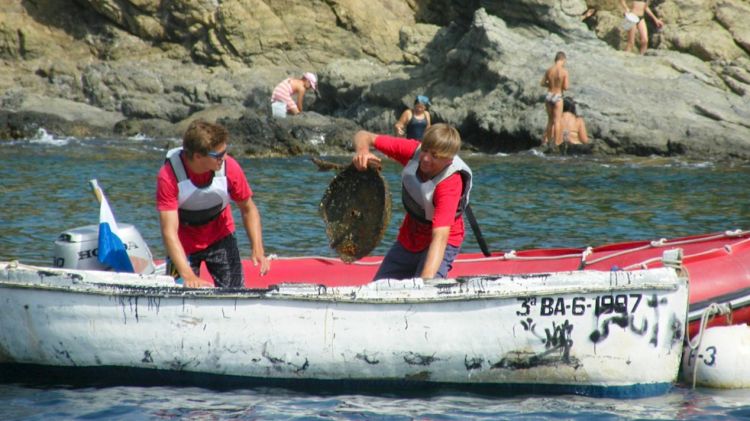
column 521, row 200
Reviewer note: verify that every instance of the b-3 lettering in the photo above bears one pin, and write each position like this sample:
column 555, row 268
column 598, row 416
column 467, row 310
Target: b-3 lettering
column 579, row 306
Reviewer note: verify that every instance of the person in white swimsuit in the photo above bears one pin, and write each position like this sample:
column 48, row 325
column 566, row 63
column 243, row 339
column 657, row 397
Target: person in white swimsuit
column 556, row 81
column 640, row 9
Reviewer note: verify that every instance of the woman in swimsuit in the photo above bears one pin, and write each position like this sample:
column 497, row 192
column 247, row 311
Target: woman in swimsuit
column 414, row 121
column 574, row 128
column 640, row 8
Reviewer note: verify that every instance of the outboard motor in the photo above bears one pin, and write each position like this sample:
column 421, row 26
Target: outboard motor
column 77, row 249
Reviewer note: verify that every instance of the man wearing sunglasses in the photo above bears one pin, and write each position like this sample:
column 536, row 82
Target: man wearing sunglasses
column 193, row 190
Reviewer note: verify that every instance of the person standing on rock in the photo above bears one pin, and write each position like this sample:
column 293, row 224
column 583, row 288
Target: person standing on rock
column 414, row 121
column 556, row 81
column 435, row 192
column 639, row 9
column 282, row 101
column 193, row 190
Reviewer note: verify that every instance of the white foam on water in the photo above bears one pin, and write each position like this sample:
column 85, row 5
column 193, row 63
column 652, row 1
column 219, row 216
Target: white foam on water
column 704, row 164
column 139, row 137
column 44, row 138
column 536, row 152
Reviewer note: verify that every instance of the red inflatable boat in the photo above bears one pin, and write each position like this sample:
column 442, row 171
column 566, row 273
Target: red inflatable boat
column 718, row 265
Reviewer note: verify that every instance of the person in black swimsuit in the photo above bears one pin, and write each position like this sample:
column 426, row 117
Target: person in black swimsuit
column 414, row 121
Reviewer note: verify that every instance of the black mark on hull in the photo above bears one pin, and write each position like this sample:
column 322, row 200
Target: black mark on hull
column 366, row 358
column 523, row 360
column 303, row 367
column 678, row 330
column 177, row 365
column 64, row 353
column 559, row 339
column 473, row 363
column 417, row 359
column 602, row 334
column 274, row 360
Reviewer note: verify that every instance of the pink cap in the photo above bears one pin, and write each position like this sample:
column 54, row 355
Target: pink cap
column 312, row 79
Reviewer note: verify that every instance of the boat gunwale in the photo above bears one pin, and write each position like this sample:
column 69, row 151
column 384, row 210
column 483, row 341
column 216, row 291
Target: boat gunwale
column 444, row 291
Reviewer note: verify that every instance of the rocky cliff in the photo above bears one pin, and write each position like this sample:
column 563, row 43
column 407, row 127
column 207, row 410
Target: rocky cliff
column 119, row 67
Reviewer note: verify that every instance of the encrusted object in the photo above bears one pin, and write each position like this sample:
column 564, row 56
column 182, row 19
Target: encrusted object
column 356, row 209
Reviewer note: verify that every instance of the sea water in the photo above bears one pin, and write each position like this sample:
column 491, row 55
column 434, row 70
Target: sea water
column 521, row 201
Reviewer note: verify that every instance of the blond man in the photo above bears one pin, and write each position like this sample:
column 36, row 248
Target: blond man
column 435, row 190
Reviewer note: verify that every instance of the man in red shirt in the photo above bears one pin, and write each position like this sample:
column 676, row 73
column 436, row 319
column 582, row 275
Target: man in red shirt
column 435, row 191
column 193, row 190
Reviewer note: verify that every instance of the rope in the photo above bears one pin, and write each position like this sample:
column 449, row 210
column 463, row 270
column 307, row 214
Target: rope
column 621, row 253
column 511, row 255
column 664, row 243
column 644, row 264
column 712, row 310
column 586, row 253
column 507, row 256
column 326, row 258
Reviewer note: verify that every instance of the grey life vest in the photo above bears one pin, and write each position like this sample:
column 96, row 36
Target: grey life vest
column 198, row 205
column 416, row 195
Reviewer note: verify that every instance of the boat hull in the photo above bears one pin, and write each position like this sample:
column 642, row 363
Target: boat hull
column 597, row 333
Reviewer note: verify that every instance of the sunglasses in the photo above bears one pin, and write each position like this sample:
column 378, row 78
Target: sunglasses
column 217, row 155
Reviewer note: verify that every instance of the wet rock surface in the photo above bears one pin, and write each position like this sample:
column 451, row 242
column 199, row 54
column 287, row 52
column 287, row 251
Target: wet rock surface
column 119, row 68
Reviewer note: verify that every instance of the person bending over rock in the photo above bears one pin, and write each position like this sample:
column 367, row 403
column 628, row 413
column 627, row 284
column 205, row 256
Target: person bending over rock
column 282, row 99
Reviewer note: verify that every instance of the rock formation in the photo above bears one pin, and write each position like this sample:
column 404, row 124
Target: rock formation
column 120, row 67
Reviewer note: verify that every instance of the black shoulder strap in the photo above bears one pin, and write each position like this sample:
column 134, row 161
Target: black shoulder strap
column 477, row 232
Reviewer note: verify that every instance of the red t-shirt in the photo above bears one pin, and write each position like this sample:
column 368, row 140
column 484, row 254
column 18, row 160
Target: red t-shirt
column 414, row 235
column 197, row 238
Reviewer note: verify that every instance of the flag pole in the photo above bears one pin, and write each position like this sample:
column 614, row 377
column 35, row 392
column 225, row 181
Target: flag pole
column 96, row 189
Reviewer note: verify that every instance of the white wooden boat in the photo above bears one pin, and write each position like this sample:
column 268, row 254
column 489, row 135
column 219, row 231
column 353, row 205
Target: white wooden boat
column 590, row 332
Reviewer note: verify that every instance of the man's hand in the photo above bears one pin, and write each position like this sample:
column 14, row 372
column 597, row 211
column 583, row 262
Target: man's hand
column 361, row 160
column 263, row 261
column 362, row 155
column 193, row 281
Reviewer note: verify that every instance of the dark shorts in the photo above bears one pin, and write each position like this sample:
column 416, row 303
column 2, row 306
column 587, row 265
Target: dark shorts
column 222, row 261
column 400, row 263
